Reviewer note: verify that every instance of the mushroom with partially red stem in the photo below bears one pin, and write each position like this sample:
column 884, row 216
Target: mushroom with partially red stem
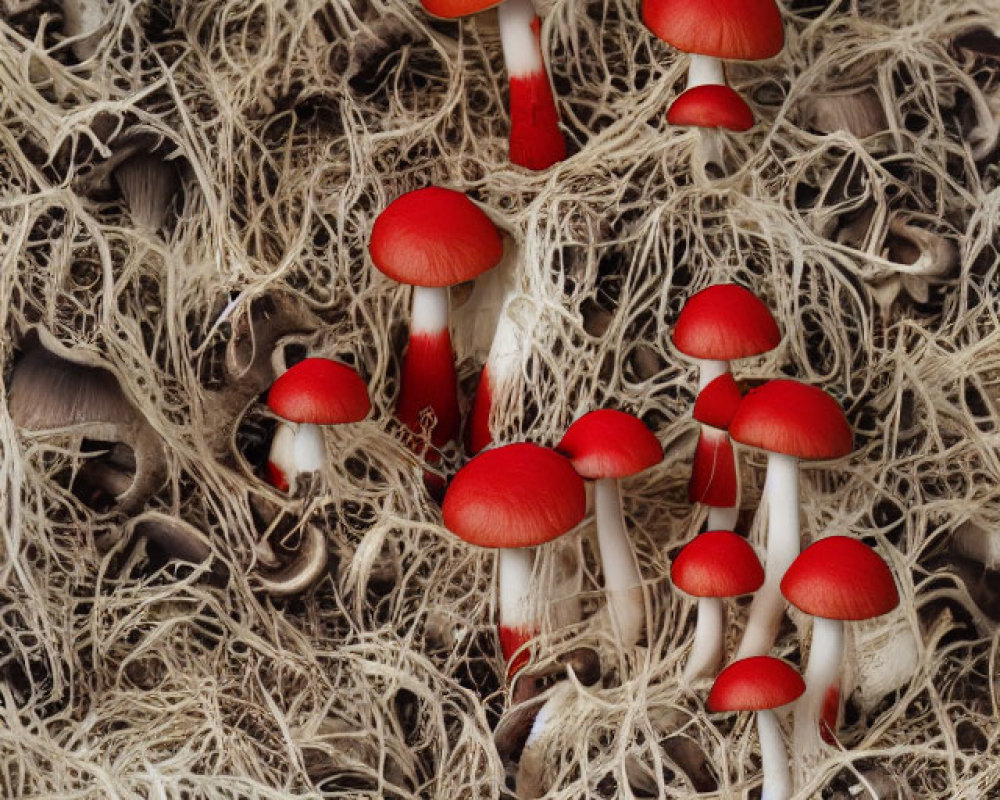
column 833, row 580
column 535, row 139
column 605, row 446
column 713, row 566
column 791, row 422
column 710, row 30
column 514, row 498
column 280, row 470
column 717, row 325
column 760, row 684
column 431, row 239
column 315, row 392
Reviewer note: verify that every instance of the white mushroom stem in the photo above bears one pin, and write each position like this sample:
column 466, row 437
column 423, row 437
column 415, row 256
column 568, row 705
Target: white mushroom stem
column 622, row 580
column 82, row 19
column 781, row 499
column 822, row 673
column 709, row 639
column 429, row 311
column 308, row 449
column 720, row 518
column 777, row 778
column 515, row 616
column 705, row 70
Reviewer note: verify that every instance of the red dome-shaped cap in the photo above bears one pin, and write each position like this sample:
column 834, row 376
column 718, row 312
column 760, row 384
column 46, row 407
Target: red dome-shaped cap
column 434, row 237
column 784, row 416
column 741, row 30
column 610, row 444
column 321, row 392
column 451, row 9
column 755, row 684
column 717, row 564
column 840, row 578
column 717, row 403
column 725, row 322
column 711, row 105
column 518, row 495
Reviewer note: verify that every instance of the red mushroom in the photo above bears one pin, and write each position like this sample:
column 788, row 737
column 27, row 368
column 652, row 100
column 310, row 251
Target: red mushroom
column 743, row 30
column 760, row 684
column 604, row 446
column 834, row 579
column 535, row 139
column 711, row 106
column 791, row 421
column 713, row 566
column 514, row 498
column 432, row 238
column 717, row 325
column 317, row 391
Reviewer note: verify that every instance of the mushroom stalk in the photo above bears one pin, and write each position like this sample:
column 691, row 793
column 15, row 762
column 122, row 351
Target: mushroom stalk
column 714, row 467
column 822, row 676
column 705, row 70
column 308, row 447
column 535, row 139
column 428, row 372
column 777, row 778
column 515, row 619
column 500, row 371
column 781, row 499
column 709, row 639
column 622, row 580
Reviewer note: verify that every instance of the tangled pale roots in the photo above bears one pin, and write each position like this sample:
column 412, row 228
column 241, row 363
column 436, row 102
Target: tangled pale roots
column 291, row 125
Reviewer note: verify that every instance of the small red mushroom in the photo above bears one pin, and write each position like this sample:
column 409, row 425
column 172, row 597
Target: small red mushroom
column 514, row 498
column 711, row 106
column 791, row 421
column 605, row 446
column 431, row 239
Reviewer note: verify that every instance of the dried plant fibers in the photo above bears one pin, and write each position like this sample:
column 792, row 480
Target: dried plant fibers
column 291, row 125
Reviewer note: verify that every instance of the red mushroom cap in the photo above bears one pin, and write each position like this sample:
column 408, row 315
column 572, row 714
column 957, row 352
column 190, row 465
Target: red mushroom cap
column 755, row 684
column 610, row 444
column 717, row 564
column 725, row 322
column 451, row 9
column 840, row 578
column 518, row 495
column 711, row 105
column 717, row 403
column 799, row 420
column 742, row 30
column 321, row 392
column 434, row 237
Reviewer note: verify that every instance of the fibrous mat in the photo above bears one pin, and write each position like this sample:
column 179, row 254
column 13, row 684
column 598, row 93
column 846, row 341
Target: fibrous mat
column 287, row 126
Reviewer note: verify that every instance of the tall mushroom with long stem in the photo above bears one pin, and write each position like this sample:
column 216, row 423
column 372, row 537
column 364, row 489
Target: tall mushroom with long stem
column 760, row 684
column 535, row 139
column 717, row 325
column 792, row 422
column 834, row 579
column 431, row 239
column 605, row 446
column 514, row 498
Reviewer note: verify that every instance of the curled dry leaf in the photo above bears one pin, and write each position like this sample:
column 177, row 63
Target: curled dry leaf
column 304, row 569
column 858, row 111
column 53, row 387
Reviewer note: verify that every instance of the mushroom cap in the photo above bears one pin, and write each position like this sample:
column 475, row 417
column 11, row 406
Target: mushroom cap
column 725, row 322
column 321, row 392
column 717, row 402
column 711, row 105
column 452, row 9
column 518, row 495
column 840, row 578
column 717, row 564
column 434, row 237
column 799, row 420
column 741, row 30
column 610, row 444
column 755, row 684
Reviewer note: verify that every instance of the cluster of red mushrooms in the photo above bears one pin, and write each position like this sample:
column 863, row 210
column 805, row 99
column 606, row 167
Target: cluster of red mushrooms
column 517, row 497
